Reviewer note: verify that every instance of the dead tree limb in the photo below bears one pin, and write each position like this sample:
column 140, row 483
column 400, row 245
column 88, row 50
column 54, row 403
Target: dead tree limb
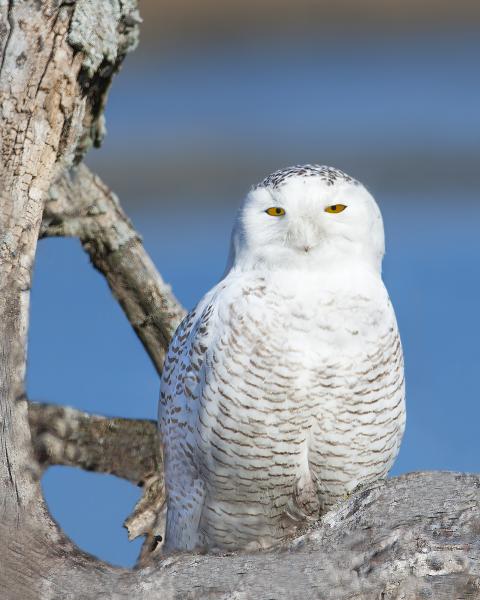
column 415, row 536
column 127, row 448
column 81, row 205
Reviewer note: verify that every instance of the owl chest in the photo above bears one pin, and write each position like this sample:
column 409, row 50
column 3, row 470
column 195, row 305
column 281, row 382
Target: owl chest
column 281, row 364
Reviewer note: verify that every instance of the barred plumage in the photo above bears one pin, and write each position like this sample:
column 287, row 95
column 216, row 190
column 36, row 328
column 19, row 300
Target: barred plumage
column 283, row 389
column 329, row 175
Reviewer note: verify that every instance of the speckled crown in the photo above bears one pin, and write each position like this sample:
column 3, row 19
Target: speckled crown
column 330, row 175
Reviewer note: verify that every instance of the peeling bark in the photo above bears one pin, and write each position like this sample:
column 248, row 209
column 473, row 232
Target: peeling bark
column 417, row 536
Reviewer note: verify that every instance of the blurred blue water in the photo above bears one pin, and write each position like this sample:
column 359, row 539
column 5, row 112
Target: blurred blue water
column 298, row 101
column 340, row 90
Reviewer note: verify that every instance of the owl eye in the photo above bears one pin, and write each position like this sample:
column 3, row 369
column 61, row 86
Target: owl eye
column 275, row 211
column 335, row 208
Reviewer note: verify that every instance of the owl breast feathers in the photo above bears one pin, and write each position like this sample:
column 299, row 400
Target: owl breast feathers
column 283, row 390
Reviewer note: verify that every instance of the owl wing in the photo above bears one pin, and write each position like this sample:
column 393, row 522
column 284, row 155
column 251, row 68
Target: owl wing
column 182, row 381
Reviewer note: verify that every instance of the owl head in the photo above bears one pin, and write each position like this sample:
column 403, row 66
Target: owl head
column 308, row 216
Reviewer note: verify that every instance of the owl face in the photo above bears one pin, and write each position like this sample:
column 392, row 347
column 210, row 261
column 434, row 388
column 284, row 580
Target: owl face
column 307, row 220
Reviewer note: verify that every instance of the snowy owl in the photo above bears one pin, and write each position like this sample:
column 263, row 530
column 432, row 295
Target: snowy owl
column 283, row 390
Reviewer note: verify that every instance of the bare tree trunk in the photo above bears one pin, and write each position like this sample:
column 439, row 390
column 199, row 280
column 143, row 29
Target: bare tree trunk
column 55, row 68
column 417, row 536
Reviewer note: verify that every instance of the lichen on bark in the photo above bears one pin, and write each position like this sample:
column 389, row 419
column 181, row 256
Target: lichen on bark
column 103, row 32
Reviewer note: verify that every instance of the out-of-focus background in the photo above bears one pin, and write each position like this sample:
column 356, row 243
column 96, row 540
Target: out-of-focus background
column 217, row 96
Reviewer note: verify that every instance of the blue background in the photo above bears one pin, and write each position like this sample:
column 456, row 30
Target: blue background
column 189, row 132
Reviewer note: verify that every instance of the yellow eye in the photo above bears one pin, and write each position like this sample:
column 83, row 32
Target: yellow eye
column 275, row 211
column 335, row 208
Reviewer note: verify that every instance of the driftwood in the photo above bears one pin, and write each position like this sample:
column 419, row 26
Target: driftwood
column 416, row 536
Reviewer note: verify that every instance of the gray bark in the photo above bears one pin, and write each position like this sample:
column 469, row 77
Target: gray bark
column 56, row 62
column 416, row 536
column 127, row 448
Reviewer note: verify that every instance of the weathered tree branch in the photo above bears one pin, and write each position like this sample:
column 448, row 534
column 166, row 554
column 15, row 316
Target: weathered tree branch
column 408, row 538
column 81, row 205
column 416, row 536
column 127, row 448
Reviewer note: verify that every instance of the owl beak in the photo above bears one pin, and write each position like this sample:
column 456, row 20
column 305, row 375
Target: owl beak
column 306, row 248
column 306, row 235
